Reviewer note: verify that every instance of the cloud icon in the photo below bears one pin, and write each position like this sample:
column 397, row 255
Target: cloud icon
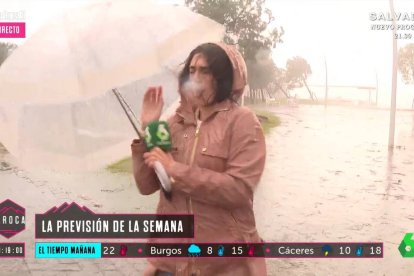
column 194, row 249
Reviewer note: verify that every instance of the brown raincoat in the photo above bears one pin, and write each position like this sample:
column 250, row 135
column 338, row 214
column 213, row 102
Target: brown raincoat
column 218, row 168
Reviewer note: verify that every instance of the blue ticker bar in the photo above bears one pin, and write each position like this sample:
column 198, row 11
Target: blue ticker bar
column 68, row 250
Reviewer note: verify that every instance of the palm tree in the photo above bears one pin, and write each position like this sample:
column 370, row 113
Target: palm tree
column 297, row 71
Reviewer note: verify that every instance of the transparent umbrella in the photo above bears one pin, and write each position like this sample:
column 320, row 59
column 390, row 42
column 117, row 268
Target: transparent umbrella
column 56, row 106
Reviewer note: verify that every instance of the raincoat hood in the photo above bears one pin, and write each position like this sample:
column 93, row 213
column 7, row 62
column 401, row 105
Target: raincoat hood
column 239, row 83
column 239, row 68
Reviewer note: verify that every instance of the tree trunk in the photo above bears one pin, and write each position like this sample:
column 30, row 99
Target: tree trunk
column 307, row 87
column 283, row 91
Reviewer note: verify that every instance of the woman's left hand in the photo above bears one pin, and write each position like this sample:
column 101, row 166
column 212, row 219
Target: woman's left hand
column 157, row 154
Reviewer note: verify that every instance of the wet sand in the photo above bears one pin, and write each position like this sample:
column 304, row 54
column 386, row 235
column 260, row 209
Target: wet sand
column 329, row 178
column 102, row 192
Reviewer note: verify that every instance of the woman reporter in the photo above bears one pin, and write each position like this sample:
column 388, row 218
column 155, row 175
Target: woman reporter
column 217, row 160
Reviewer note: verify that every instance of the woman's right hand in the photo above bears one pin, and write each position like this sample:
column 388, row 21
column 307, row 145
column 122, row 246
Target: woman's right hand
column 151, row 105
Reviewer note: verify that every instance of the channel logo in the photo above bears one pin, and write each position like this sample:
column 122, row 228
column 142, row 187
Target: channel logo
column 406, row 247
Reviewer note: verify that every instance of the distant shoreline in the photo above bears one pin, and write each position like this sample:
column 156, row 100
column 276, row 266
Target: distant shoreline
column 344, row 103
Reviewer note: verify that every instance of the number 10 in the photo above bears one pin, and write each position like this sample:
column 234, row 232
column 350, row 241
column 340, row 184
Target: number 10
column 347, row 250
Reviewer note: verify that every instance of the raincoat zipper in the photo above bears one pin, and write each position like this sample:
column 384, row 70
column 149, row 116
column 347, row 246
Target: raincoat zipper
column 189, row 201
column 192, row 156
column 195, row 142
column 190, row 163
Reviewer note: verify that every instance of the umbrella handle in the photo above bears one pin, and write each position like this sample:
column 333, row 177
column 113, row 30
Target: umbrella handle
column 162, row 176
column 159, row 168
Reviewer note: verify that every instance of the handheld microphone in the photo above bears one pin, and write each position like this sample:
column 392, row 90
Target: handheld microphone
column 157, row 134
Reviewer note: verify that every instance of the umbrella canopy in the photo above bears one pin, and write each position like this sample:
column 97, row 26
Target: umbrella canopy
column 56, row 109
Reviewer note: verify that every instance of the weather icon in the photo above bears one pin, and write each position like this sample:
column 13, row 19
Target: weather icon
column 326, row 249
column 220, row 250
column 359, row 251
column 194, row 250
column 250, row 250
column 123, row 250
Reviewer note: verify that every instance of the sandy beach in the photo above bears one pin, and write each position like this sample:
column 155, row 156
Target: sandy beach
column 329, row 177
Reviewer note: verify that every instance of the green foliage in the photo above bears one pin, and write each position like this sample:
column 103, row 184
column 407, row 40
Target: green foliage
column 262, row 71
column 122, row 166
column 270, row 122
column 406, row 63
column 5, row 50
column 248, row 24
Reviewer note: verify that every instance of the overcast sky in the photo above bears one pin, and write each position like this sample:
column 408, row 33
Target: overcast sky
column 338, row 31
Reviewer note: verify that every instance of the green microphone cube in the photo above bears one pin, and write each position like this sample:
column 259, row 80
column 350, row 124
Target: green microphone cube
column 157, row 134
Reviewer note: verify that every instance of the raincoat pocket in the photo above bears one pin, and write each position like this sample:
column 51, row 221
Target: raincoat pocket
column 213, row 157
column 236, row 229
